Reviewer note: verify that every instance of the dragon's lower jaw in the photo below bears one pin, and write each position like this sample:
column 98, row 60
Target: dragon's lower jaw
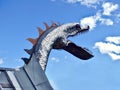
column 78, row 51
column 81, row 53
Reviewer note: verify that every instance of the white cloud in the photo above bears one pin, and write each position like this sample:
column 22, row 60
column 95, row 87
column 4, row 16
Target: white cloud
column 107, row 47
column 114, row 56
column 1, row 61
column 112, row 49
column 91, row 20
column 54, row 59
column 107, row 22
column 108, row 8
column 73, row 1
column 115, row 40
column 88, row 3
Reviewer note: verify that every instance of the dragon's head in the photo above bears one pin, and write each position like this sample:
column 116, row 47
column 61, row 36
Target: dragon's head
column 70, row 30
column 56, row 37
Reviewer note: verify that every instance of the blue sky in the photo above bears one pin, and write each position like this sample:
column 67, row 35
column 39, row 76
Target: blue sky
column 19, row 19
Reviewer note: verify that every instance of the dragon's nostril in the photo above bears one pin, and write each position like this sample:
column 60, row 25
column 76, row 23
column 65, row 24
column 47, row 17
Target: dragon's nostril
column 78, row 26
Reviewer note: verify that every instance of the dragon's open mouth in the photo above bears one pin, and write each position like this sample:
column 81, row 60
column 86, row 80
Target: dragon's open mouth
column 78, row 51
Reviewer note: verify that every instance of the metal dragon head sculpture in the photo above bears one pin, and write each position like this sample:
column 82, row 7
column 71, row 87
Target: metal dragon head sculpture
column 55, row 37
column 32, row 76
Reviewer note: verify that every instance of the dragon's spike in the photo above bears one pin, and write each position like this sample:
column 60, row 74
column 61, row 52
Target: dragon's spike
column 53, row 24
column 33, row 41
column 26, row 60
column 29, row 51
column 40, row 30
column 46, row 25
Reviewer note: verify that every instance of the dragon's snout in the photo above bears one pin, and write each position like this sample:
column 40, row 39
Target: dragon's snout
column 82, row 28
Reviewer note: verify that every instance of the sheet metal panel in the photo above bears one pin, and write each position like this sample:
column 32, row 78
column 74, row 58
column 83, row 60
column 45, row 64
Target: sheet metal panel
column 13, row 80
column 23, row 80
column 6, row 69
column 37, row 75
column 4, row 80
column 44, row 86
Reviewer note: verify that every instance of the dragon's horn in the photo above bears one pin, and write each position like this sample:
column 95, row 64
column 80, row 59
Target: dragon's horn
column 40, row 31
column 46, row 25
column 33, row 41
column 29, row 51
column 26, row 60
column 53, row 24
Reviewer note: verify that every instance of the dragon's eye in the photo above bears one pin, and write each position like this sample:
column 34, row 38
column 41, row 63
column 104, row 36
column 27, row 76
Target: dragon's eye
column 78, row 26
column 73, row 28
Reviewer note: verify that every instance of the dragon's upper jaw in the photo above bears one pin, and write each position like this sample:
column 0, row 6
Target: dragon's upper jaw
column 74, row 30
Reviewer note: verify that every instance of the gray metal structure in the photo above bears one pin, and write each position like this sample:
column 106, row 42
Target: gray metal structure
column 29, row 77
column 32, row 75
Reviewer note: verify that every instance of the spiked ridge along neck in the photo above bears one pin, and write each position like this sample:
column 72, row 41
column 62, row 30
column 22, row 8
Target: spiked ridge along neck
column 41, row 32
column 34, row 41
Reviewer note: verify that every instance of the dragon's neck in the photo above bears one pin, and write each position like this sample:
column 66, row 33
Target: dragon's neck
column 44, row 46
column 42, row 54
